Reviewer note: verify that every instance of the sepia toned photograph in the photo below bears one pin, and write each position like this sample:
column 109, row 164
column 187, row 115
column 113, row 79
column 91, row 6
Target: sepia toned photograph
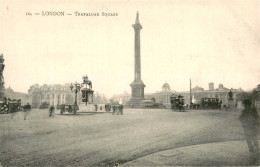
column 129, row 83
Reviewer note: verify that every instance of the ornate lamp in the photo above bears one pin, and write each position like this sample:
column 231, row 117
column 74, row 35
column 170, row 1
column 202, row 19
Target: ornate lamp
column 75, row 89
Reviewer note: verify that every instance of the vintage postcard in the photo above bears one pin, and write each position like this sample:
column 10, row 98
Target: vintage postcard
column 129, row 83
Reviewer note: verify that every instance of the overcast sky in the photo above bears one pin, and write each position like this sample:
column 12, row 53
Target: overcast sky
column 207, row 41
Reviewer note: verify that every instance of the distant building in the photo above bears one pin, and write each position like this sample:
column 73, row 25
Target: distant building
column 211, row 86
column 57, row 94
column 52, row 94
column 166, row 87
column 197, row 93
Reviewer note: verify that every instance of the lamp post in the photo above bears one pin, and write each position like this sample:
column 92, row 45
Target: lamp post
column 75, row 89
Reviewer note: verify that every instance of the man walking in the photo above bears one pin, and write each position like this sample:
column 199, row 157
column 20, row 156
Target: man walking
column 26, row 110
column 121, row 109
column 52, row 108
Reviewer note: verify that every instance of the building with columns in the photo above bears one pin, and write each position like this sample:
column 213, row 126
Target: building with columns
column 58, row 94
column 163, row 96
column 51, row 94
column 197, row 93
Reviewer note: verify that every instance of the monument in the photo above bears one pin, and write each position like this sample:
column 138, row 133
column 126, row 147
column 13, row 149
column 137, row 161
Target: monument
column 231, row 104
column 2, row 88
column 137, row 85
column 87, row 92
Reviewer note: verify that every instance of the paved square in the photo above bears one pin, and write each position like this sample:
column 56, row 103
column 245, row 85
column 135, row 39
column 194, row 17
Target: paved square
column 104, row 139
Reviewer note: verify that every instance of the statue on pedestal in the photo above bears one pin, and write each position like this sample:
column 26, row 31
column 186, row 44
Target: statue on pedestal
column 87, row 92
column 87, row 81
column 230, row 95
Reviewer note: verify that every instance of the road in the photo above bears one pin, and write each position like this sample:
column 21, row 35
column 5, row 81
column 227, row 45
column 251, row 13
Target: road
column 103, row 139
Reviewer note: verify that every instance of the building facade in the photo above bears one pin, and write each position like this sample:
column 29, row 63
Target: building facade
column 197, row 93
column 51, row 94
column 163, row 96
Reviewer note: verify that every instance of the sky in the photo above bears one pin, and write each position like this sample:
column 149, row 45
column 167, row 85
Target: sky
column 205, row 40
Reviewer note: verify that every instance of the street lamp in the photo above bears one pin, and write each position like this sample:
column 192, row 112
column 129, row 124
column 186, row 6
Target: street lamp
column 75, row 89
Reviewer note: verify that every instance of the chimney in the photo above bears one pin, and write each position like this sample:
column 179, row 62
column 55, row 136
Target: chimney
column 211, row 86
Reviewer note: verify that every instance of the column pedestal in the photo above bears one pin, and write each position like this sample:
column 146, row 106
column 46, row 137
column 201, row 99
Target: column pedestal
column 231, row 105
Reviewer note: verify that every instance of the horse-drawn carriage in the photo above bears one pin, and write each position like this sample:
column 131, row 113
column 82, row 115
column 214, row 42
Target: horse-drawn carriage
column 177, row 102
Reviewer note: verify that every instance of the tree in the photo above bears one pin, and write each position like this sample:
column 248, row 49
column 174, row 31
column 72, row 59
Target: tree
column 254, row 95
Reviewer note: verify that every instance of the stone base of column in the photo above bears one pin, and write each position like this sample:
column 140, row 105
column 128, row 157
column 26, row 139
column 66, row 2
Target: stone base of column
column 231, row 105
column 135, row 103
column 137, row 94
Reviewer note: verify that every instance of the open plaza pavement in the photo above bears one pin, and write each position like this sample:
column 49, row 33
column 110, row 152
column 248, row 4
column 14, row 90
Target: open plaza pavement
column 140, row 137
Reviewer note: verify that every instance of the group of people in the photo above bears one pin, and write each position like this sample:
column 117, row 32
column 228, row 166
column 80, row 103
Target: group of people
column 116, row 108
column 107, row 107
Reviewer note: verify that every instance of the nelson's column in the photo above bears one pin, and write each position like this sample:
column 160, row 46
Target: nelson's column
column 137, row 85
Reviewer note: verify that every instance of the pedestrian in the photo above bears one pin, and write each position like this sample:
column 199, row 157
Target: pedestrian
column 109, row 107
column 14, row 106
column 26, row 110
column 62, row 109
column 250, row 122
column 121, row 109
column 114, row 110
column 51, row 110
column 106, row 107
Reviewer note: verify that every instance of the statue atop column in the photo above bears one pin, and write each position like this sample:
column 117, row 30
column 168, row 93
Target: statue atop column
column 2, row 88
